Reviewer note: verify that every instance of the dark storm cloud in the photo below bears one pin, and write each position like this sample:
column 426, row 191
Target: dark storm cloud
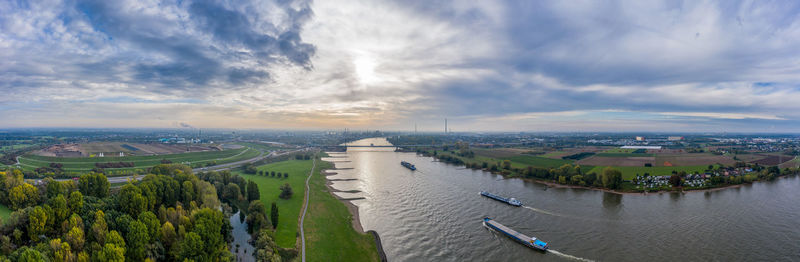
column 177, row 45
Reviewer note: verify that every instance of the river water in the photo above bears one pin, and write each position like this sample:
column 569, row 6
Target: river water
column 434, row 214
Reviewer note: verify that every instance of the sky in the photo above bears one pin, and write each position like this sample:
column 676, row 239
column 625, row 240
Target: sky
column 575, row 66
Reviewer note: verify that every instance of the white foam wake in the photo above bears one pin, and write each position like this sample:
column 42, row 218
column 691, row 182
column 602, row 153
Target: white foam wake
column 569, row 256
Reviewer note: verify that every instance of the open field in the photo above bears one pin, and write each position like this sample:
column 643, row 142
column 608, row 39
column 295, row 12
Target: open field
column 623, row 154
column 538, row 161
column 616, row 161
column 328, row 228
column 555, row 154
column 115, row 148
column 629, row 172
column 619, row 150
column 772, row 160
column 195, row 158
column 261, row 146
column 693, row 159
column 794, row 163
column 288, row 209
column 501, row 152
column 5, row 212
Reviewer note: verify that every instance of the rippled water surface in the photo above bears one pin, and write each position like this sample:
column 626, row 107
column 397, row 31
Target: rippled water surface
column 434, row 214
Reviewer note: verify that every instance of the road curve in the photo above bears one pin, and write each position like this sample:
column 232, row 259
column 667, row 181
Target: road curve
column 305, row 208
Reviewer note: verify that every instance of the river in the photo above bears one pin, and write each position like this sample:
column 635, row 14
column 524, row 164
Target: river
column 434, row 214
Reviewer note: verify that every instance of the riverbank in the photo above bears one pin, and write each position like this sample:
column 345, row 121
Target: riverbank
column 332, row 227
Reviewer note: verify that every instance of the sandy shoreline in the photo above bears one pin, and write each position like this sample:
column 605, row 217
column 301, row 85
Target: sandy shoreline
column 356, row 221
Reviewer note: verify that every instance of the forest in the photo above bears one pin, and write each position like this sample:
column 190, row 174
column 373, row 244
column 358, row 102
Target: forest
column 170, row 215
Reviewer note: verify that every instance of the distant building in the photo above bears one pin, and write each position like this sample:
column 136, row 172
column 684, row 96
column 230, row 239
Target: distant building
column 675, row 138
column 639, row 138
column 641, row 147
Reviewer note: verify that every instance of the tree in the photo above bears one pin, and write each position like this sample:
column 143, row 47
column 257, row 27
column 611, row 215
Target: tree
column 94, row 184
column 23, row 195
column 75, row 202
column 273, row 215
column 192, row 247
column 675, row 180
column 611, row 178
column 286, row 191
column 151, row 221
column 187, row 191
column 231, row 192
column 99, row 227
column 61, row 251
column 506, row 164
column 60, row 209
column 208, row 225
column 252, row 191
column 136, row 240
column 115, row 238
column 37, row 223
column 54, row 188
column 256, row 216
column 75, row 238
column 168, row 235
column 131, row 200
column 31, row 255
column 285, row 175
column 272, row 173
column 111, row 253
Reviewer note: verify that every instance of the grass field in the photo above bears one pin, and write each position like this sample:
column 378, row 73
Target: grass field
column 553, row 154
column 85, row 163
column 619, row 150
column 604, row 154
column 629, row 172
column 259, row 146
column 5, row 212
column 288, row 209
column 329, row 232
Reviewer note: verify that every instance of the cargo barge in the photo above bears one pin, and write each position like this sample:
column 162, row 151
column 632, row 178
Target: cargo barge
column 531, row 242
column 511, row 201
column 408, row 165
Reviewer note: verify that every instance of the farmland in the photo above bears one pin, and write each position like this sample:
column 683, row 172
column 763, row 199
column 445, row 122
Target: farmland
column 194, row 159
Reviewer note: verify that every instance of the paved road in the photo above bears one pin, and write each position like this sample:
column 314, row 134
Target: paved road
column 305, row 208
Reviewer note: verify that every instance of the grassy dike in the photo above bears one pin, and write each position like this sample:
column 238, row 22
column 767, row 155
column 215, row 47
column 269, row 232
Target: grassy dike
column 330, row 235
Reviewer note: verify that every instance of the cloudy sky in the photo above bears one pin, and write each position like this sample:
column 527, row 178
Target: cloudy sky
column 724, row 66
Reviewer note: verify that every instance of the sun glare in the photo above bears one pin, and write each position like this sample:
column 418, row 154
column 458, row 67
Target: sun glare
column 365, row 69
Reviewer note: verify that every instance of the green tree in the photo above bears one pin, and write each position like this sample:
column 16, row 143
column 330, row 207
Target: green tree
column 115, row 238
column 37, row 223
column 252, row 191
column 151, row 221
column 54, row 188
column 208, row 225
column 75, row 202
column 611, row 178
column 168, row 234
column 286, row 191
column 60, row 209
column 23, row 195
column 131, row 200
column 111, row 253
column 94, row 184
column 231, row 192
column 192, row 247
column 99, row 227
column 75, row 238
column 273, row 215
column 506, row 164
column 187, row 191
column 256, row 216
column 31, row 255
column 137, row 240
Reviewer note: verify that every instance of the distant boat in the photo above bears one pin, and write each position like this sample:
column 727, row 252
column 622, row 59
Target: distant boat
column 408, row 165
column 531, row 242
column 511, row 201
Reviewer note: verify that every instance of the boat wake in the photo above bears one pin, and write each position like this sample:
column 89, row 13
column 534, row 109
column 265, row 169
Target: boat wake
column 543, row 211
column 569, row 256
